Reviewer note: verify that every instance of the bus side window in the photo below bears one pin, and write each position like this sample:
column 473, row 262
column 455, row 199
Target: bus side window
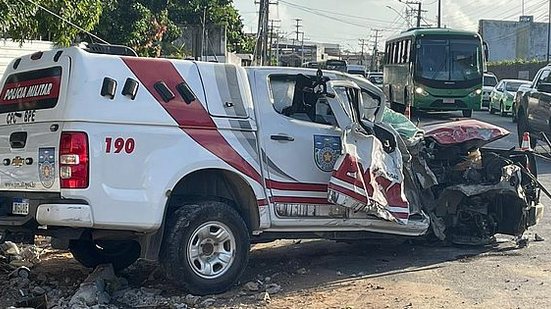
column 405, row 55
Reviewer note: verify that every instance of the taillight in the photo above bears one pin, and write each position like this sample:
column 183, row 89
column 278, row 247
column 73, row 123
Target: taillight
column 73, row 160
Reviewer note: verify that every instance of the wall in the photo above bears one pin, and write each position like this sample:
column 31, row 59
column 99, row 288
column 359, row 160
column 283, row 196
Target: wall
column 521, row 71
column 10, row 50
column 509, row 40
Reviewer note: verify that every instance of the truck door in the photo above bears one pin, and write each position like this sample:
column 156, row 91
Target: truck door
column 300, row 143
column 538, row 109
column 544, row 102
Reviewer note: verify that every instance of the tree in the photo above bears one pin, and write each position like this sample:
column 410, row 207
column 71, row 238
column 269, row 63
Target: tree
column 150, row 26
column 138, row 24
column 22, row 20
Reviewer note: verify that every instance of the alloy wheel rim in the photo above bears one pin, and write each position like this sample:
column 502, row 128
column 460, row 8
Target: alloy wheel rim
column 211, row 250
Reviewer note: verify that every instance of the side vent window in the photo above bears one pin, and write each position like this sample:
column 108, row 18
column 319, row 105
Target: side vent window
column 109, row 88
column 186, row 92
column 130, row 88
column 164, row 91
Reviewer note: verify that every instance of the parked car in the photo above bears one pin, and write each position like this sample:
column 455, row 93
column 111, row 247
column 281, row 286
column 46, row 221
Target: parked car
column 355, row 69
column 490, row 81
column 533, row 110
column 376, row 78
column 501, row 98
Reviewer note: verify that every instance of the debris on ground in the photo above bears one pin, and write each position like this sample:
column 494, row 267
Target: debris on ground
column 537, row 237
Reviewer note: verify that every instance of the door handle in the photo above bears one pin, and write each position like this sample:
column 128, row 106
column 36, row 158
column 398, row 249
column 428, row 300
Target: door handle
column 282, row 137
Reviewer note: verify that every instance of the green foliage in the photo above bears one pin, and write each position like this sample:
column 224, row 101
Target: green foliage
column 148, row 26
column 147, row 29
column 23, row 20
column 513, row 62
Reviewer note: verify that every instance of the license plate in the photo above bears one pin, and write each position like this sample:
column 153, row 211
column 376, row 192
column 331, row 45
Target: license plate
column 20, row 206
column 448, row 101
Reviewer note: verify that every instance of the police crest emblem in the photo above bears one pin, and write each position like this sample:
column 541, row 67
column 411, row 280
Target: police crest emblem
column 46, row 166
column 327, row 149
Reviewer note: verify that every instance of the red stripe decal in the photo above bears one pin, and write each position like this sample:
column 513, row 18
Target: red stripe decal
column 192, row 118
column 354, row 195
column 295, row 186
column 262, row 202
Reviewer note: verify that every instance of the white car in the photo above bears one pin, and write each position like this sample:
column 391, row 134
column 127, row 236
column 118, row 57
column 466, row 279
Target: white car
column 490, row 81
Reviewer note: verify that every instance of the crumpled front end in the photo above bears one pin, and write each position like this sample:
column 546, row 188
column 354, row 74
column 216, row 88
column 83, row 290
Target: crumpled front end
column 469, row 193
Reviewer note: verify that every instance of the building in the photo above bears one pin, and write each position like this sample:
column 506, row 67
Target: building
column 294, row 53
column 10, row 50
column 510, row 40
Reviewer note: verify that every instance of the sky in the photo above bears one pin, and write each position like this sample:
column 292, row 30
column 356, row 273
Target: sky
column 347, row 21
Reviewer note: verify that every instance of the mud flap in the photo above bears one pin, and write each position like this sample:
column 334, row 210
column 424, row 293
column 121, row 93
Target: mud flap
column 367, row 178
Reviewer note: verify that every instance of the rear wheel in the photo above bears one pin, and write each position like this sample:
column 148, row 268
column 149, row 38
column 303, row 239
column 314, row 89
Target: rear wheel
column 206, row 247
column 120, row 253
column 467, row 113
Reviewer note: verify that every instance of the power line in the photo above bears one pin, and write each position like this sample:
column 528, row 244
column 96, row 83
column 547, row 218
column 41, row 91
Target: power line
column 65, row 20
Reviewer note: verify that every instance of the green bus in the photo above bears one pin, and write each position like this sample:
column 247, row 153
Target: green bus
column 434, row 69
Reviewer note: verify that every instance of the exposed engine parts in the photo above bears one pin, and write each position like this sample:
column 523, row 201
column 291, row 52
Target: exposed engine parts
column 480, row 192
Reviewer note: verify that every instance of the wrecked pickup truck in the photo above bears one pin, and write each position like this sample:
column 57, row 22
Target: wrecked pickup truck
column 118, row 157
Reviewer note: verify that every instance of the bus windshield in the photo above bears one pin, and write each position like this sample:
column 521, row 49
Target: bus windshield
column 449, row 59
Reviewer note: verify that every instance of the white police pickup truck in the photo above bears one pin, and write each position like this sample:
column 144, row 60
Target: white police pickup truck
column 118, row 157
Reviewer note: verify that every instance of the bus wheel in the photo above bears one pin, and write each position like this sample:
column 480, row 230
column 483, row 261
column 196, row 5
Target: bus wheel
column 467, row 113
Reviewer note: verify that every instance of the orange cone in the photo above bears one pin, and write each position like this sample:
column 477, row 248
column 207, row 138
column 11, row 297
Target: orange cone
column 525, row 142
column 407, row 112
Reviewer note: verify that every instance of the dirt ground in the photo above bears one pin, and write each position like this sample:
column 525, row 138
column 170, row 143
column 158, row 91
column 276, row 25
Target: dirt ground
column 326, row 274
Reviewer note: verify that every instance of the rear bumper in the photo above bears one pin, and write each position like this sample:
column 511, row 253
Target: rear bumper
column 70, row 215
column 44, row 209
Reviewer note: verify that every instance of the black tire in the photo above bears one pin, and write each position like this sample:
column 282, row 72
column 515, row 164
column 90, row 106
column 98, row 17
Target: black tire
column 181, row 226
column 468, row 113
column 502, row 112
column 120, row 253
column 490, row 109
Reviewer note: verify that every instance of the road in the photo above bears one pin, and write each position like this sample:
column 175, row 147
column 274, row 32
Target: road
column 326, row 274
column 412, row 275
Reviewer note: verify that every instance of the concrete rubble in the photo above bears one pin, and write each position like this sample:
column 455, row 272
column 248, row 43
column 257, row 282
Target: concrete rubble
column 102, row 288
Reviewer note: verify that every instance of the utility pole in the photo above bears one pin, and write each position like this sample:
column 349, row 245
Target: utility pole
column 373, row 65
column 272, row 27
column 298, row 33
column 298, row 26
column 419, row 15
column 440, row 13
column 419, row 10
column 261, row 49
column 362, row 43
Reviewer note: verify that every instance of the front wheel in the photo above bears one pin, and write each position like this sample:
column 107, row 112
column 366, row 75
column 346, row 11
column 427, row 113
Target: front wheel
column 120, row 253
column 468, row 113
column 206, row 247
